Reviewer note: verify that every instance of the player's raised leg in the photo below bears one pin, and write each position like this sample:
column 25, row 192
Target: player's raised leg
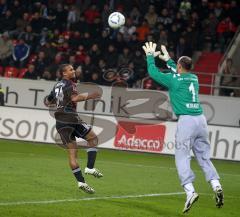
column 201, row 150
column 92, row 140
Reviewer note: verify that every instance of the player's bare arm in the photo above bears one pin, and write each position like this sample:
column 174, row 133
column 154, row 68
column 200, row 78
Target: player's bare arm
column 84, row 97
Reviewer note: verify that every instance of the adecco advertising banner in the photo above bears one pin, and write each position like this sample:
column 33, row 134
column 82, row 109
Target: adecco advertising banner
column 121, row 102
column 121, row 134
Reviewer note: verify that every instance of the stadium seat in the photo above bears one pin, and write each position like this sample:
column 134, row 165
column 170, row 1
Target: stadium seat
column 11, row 72
column 22, row 72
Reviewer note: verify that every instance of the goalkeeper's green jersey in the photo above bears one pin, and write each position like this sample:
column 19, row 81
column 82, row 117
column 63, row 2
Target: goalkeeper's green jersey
column 183, row 88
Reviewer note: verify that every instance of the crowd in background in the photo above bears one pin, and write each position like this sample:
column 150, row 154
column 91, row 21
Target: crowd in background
column 37, row 36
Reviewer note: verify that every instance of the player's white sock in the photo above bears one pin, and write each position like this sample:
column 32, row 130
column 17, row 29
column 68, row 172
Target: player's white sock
column 215, row 183
column 189, row 189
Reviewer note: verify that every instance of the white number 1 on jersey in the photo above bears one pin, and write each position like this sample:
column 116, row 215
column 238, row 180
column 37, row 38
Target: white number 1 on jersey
column 192, row 90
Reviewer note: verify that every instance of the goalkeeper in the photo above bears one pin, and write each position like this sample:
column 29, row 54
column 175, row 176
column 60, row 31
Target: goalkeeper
column 191, row 132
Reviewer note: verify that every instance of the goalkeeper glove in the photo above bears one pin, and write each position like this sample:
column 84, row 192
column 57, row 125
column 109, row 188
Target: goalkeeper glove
column 150, row 49
column 165, row 57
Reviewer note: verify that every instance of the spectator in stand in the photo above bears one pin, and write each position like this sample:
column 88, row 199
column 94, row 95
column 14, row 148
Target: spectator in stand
column 53, row 67
column 119, row 42
column 179, row 21
column 95, row 53
column 61, row 17
column 135, row 15
column 142, row 31
column 102, row 67
column 17, row 8
column 20, row 54
column 81, row 25
column 49, row 51
column 218, row 10
column 80, row 55
column 37, row 23
column 95, row 28
column 8, row 22
column 128, row 30
column 151, row 16
column 183, row 49
column 111, row 56
column 21, row 25
column 225, row 31
column 72, row 16
column 185, row 8
column 47, row 75
column 91, row 14
column 31, row 72
column 75, row 39
column 135, row 43
column 191, row 36
column 194, row 21
column 3, row 7
column 124, row 58
column 29, row 37
column 104, row 15
column 202, row 9
column 234, row 13
column 96, row 78
column 139, row 65
column 88, row 68
column 41, row 63
column 227, row 78
column 72, row 61
column 165, row 19
column 86, row 40
column 103, row 41
column 6, row 47
column 209, row 30
column 173, row 36
column 163, row 38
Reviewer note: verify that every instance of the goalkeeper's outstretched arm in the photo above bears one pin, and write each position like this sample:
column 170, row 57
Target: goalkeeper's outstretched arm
column 154, row 72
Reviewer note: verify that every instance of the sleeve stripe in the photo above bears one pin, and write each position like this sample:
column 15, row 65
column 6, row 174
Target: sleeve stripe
column 172, row 68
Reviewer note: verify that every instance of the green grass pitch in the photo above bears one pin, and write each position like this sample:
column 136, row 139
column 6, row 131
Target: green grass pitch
column 39, row 173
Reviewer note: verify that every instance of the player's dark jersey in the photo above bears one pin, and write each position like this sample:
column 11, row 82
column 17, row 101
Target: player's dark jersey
column 61, row 94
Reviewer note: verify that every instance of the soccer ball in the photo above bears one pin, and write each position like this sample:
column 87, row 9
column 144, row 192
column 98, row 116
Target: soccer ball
column 116, row 20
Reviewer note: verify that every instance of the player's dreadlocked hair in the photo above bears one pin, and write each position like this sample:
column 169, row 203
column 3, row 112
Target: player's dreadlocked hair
column 62, row 67
column 185, row 62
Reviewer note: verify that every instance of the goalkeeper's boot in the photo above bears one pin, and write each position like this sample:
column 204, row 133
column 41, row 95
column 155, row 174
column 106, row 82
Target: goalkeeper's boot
column 86, row 188
column 219, row 197
column 95, row 172
column 190, row 201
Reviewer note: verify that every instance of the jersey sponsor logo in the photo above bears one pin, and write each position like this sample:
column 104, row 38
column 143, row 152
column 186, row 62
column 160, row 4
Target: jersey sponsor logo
column 192, row 105
column 145, row 137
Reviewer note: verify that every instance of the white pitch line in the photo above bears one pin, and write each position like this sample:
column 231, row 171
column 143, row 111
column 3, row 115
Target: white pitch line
column 88, row 199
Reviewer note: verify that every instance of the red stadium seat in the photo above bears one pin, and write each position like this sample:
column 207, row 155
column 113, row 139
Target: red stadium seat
column 22, row 72
column 11, row 72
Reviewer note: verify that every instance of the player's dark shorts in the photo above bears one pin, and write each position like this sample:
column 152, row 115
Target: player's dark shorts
column 70, row 127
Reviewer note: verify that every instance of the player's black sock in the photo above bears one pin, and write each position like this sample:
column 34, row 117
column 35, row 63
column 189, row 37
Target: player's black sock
column 78, row 174
column 92, row 154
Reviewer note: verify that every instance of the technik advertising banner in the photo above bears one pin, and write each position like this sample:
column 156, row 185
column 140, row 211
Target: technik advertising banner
column 120, row 102
column 133, row 134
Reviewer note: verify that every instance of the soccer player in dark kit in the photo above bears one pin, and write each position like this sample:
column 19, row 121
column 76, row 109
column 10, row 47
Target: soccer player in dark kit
column 69, row 125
